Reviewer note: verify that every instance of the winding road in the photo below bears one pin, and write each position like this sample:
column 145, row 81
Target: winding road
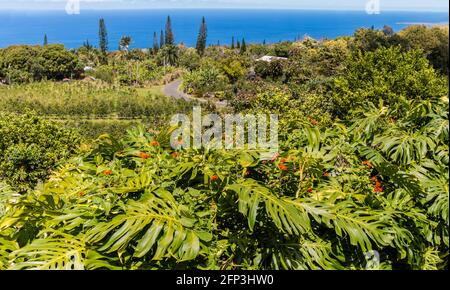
column 172, row 89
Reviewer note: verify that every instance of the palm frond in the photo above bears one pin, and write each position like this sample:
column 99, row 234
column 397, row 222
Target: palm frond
column 8, row 197
column 154, row 219
column 304, row 254
column 284, row 215
column 404, row 147
column 438, row 197
column 365, row 228
column 58, row 252
column 399, row 177
column 55, row 250
column 6, row 248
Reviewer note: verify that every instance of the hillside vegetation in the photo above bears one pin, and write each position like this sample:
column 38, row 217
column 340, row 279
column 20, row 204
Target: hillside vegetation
column 362, row 167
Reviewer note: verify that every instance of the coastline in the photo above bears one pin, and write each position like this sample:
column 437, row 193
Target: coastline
column 424, row 23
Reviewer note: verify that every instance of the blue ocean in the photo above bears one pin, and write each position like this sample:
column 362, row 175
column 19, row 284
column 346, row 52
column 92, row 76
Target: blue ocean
column 256, row 26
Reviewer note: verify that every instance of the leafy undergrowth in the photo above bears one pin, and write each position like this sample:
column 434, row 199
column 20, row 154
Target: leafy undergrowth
column 327, row 200
column 79, row 99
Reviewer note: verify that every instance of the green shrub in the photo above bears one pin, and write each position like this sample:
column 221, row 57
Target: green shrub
column 19, row 64
column 270, row 70
column 386, row 75
column 22, row 63
column 283, row 49
column 433, row 41
column 139, row 72
column 104, row 73
column 234, row 70
column 31, row 147
column 204, row 81
column 58, row 63
column 329, row 198
column 189, row 59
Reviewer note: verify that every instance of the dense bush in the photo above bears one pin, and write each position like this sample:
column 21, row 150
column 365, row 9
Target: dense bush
column 259, row 50
column 269, row 70
column 328, row 199
column 139, row 72
column 31, row 147
column 19, row 64
column 189, row 59
column 204, row 81
column 282, row 49
column 233, row 69
column 104, row 73
column 312, row 61
column 386, row 75
column 433, row 41
column 89, row 56
column 370, row 39
column 58, row 63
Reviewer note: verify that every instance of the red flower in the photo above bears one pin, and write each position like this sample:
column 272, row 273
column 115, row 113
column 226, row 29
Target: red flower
column 367, row 163
column 154, row 143
column 377, row 184
column 326, row 174
column 214, row 178
column 310, row 190
column 81, row 194
column 282, row 167
column 174, row 154
column 283, row 160
column 314, row 122
column 374, row 179
column 107, row 172
column 144, row 155
column 378, row 189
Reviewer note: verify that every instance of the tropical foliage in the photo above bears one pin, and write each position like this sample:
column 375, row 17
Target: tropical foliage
column 379, row 182
column 23, row 63
column 30, row 148
column 362, row 168
column 84, row 99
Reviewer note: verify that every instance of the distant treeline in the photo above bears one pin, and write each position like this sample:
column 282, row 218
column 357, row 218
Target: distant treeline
column 24, row 63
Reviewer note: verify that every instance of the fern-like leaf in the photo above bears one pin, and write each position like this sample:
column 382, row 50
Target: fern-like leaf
column 155, row 219
column 284, row 215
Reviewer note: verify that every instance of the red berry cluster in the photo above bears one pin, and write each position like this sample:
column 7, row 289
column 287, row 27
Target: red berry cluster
column 378, row 187
column 144, row 155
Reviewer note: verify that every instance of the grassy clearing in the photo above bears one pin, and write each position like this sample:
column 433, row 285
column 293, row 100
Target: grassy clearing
column 91, row 107
column 87, row 100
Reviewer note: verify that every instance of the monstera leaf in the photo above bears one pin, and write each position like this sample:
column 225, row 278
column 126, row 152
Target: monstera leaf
column 153, row 222
column 58, row 251
column 284, row 215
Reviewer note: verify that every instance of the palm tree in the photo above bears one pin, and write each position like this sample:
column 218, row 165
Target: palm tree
column 124, row 43
column 87, row 45
column 170, row 54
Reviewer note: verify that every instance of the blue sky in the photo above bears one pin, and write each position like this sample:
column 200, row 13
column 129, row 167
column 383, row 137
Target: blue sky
column 414, row 5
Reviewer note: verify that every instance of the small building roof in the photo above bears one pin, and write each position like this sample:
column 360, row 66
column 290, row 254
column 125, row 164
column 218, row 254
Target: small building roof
column 270, row 58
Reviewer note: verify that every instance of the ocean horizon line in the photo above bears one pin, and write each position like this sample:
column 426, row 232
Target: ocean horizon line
column 51, row 9
column 255, row 25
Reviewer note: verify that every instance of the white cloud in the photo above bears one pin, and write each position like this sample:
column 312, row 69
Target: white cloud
column 305, row 4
